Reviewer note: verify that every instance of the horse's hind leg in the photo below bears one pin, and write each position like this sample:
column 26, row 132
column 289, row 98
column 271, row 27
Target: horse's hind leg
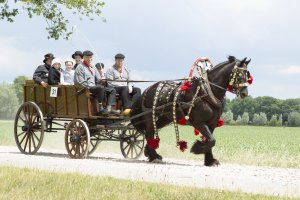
column 149, row 152
column 203, row 147
column 209, row 159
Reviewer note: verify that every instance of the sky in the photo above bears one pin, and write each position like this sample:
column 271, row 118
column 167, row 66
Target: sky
column 162, row 38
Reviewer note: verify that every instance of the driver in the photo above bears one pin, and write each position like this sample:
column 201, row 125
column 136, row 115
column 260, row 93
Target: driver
column 87, row 75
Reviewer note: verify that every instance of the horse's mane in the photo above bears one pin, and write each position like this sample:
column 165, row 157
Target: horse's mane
column 230, row 60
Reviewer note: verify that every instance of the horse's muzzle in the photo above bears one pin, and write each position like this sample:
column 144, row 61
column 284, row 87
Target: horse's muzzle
column 243, row 93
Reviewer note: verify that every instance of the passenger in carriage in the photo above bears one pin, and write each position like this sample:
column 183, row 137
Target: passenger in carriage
column 77, row 56
column 41, row 73
column 68, row 73
column 100, row 68
column 55, row 72
column 87, row 75
column 126, row 90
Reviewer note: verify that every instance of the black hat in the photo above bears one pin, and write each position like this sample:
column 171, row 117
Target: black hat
column 99, row 65
column 119, row 56
column 87, row 53
column 47, row 56
column 77, row 53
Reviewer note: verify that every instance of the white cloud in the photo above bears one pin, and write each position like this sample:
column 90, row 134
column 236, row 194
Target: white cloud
column 291, row 70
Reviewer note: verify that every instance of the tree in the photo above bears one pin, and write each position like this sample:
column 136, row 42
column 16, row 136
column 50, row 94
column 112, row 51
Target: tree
column 227, row 117
column 279, row 122
column 294, row 119
column 8, row 101
column 273, row 121
column 256, row 120
column 52, row 12
column 18, row 86
column 245, row 118
column 263, row 118
column 238, row 121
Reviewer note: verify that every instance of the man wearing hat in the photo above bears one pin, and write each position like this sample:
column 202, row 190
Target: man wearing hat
column 41, row 74
column 87, row 75
column 77, row 56
column 126, row 90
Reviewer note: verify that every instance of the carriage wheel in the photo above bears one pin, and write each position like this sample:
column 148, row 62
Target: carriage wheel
column 77, row 138
column 29, row 128
column 132, row 143
column 94, row 141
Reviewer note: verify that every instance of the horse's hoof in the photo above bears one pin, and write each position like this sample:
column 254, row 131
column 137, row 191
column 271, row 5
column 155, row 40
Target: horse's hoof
column 212, row 163
column 199, row 148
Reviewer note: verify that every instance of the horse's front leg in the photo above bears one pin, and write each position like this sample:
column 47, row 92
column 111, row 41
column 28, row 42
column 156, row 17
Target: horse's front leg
column 202, row 147
column 209, row 159
column 149, row 152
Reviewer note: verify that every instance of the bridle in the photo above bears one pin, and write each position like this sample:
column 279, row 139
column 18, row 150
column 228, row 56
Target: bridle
column 240, row 78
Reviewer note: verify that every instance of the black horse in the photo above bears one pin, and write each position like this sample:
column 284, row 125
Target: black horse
column 205, row 112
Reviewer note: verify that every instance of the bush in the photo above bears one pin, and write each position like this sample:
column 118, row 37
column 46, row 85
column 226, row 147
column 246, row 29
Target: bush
column 8, row 101
column 294, row 119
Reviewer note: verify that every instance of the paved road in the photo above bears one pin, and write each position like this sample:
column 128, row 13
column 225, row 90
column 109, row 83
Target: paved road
column 252, row 179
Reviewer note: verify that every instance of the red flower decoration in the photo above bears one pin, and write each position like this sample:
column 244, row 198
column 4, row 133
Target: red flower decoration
column 220, row 122
column 182, row 121
column 182, row 145
column 153, row 143
column 250, row 80
column 196, row 131
column 186, row 86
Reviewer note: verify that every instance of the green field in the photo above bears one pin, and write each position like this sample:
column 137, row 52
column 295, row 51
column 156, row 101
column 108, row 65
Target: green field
column 34, row 184
column 271, row 146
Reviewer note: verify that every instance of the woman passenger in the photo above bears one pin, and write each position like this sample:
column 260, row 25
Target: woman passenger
column 55, row 72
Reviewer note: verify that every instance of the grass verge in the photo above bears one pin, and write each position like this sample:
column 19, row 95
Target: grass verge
column 34, row 184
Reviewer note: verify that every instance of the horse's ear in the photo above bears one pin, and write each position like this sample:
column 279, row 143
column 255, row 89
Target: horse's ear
column 248, row 61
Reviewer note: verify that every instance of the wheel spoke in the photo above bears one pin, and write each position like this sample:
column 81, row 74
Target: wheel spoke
column 22, row 119
column 21, row 133
column 29, row 135
column 33, row 141
column 128, row 150
column 138, row 146
column 26, row 142
column 136, row 153
column 22, row 139
column 36, row 137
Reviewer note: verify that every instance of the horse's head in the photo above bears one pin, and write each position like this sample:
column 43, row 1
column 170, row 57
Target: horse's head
column 240, row 78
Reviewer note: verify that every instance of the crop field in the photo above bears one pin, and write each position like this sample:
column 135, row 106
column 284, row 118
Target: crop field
column 251, row 145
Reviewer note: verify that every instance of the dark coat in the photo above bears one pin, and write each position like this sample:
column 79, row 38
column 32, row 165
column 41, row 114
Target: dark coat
column 41, row 73
column 54, row 76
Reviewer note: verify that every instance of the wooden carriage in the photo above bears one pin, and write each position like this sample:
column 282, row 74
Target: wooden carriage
column 71, row 108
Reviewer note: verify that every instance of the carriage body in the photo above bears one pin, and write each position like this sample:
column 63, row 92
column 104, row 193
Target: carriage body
column 71, row 108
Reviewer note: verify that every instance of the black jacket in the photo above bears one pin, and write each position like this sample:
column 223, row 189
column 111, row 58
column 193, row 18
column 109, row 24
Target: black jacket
column 41, row 73
column 54, row 76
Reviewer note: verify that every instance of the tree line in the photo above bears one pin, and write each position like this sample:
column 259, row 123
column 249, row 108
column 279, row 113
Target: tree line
column 262, row 111
column 253, row 111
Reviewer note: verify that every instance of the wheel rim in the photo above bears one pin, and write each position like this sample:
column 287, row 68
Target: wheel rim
column 29, row 128
column 132, row 144
column 77, row 138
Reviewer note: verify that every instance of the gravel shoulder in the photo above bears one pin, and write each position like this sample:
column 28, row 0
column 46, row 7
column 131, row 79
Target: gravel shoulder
column 232, row 177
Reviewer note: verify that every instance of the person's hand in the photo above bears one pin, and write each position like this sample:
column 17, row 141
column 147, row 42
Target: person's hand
column 44, row 84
